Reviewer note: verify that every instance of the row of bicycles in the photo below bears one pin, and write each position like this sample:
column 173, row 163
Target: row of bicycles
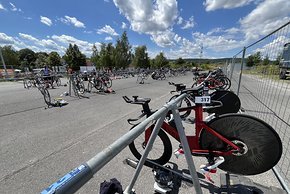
column 230, row 140
column 85, row 82
column 39, row 80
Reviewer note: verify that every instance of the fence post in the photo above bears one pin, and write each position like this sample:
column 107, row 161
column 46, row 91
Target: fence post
column 69, row 89
column 232, row 68
column 241, row 72
column 2, row 59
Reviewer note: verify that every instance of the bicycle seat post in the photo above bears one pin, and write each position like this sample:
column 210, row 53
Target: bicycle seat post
column 146, row 109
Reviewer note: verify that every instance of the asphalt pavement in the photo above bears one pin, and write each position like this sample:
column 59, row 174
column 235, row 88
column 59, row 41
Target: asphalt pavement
column 39, row 145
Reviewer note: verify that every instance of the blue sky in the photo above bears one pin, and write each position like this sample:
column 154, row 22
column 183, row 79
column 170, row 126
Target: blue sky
column 179, row 28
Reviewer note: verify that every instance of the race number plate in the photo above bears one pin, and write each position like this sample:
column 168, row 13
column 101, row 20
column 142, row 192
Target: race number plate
column 202, row 99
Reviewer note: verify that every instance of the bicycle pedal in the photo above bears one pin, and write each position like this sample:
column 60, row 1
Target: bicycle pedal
column 178, row 152
column 204, row 169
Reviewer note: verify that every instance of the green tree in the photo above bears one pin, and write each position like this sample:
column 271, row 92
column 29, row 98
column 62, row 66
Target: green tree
column 53, row 59
column 278, row 60
column 106, row 55
column 122, row 55
column 180, row 61
column 41, row 59
column 10, row 57
column 266, row 61
column 74, row 58
column 95, row 57
column 27, row 58
column 141, row 58
column 257, row 58
column 160, row 61
column 250, row 61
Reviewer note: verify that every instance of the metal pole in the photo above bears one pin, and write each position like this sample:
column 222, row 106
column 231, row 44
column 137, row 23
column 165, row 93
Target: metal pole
column 69, row 88
column 6, row 74
column 72, row 181
column 241, row 72
column 187, row 152
column 149, row 145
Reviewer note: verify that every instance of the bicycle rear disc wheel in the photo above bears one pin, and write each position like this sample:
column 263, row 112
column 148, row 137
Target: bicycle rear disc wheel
column 231, row 102
column 261, row 145
column 161, row 150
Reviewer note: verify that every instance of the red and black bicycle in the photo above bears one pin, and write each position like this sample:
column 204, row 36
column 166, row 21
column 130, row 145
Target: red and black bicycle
column 248, row 145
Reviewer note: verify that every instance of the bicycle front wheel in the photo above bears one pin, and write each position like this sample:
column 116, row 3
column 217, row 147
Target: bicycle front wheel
column 107, row 80
column 98, row 84
column 183, row 104
column 46, row 96
column 161, row 150
column 261, row 147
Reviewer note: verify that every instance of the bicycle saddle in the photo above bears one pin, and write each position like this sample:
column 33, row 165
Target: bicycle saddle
column 137, row 100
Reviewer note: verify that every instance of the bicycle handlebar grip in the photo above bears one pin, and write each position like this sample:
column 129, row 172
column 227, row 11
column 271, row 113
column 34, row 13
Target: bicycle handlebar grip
column 127, row 99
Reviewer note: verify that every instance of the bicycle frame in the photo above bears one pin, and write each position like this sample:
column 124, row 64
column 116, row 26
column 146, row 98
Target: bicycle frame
column 193, row 141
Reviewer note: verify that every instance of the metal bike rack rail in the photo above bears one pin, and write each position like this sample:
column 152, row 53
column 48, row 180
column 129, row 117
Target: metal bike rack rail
column 76, row 178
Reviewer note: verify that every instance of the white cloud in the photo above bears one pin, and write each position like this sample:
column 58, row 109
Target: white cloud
column 45, row 20
column 5, row 39
column 212, row 5
column 272, row 49
column 189, row 24
column 233, row 30
column 163, row 39
column 155, row 18
column 177, row 38
column 14, row 8
column 28, row 37
column 107, row 1
column 266, row 17
column 149, row 16
column 108, row 38
column 179, row 20
column 84, row 46
column 88, row 32
column 124, row 25
column 186, row 49
column 51, row 43
column 1, row 7
column 107, row 30
column 214, row 31
column 216, row 43
column 72, row 21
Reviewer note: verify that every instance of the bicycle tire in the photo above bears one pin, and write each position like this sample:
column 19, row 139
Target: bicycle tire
column 184, row 103
column 231, row 102
column 262, row 145
column 98, row 84
column 58, row 82
column 163, row 153
column 46, row 95
column 226, row 83
column 90, row 86
column 81, row 87
column 25, row 83
column 107, row 80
